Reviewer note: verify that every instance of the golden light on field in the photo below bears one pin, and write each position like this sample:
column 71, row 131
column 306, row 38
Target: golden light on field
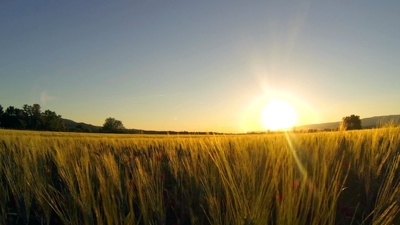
column 278, row 115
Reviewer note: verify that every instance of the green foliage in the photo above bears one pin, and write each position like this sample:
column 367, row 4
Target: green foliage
column 352, row 122
column 31, row 118
column 112, row 125
column 51, row 121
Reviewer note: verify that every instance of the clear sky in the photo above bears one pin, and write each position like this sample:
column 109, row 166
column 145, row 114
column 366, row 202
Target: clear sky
column 200, row 65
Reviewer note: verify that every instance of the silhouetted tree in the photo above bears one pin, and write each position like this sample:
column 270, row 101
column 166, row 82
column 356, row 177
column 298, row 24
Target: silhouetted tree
column 112, row 125
column 28, row 113
column 8, row 119
column 1, row 114
column 352, row 122
column 33, row 117
column 36, row 117
column 13, row 118
column 51, row 121
column 30, row 117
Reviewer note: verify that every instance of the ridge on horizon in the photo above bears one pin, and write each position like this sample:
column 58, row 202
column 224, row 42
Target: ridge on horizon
column 367, row 122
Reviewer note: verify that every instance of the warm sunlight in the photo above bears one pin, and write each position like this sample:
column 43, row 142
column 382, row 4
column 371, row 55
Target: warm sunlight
column 278, row 115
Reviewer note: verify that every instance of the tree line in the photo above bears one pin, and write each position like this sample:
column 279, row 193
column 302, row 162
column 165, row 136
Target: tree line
column 30, row 117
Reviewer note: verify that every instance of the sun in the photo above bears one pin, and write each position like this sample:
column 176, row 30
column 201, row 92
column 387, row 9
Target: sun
column 278, row 115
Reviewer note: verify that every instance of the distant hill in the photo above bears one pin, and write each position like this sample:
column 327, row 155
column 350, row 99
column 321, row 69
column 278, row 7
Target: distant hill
column 75, row 126
column 84, row 127
column 379, row 120
column 369, row 122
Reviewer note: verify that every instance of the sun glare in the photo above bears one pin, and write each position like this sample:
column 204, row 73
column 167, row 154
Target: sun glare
column 278, row 115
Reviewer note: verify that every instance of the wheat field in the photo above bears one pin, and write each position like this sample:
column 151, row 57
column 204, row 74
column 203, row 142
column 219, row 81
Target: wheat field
column 325, row 178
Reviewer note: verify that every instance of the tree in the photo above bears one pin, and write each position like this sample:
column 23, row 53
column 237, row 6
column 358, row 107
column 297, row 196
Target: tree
column 31, row 118
column 37, row 117
column 9, row 118
column 28, row 114
column 352, row 122
column 13, row 118
column 51, row 121
column 112, row 125
column 1, row 114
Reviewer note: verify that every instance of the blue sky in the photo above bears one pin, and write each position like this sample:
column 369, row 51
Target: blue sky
column 200, row 66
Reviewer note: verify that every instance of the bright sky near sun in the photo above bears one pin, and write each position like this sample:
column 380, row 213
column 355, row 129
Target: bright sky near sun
column 201, row 65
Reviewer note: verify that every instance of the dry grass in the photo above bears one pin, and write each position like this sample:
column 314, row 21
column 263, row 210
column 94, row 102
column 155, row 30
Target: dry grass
column 321, row 178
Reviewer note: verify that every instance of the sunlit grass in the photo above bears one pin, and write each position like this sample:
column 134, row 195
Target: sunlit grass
column 320, row 178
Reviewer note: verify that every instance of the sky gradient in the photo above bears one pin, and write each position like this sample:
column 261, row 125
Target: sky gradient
column 200, row 66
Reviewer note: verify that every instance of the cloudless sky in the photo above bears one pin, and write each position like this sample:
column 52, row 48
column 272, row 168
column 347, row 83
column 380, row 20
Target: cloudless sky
column 200, row 65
